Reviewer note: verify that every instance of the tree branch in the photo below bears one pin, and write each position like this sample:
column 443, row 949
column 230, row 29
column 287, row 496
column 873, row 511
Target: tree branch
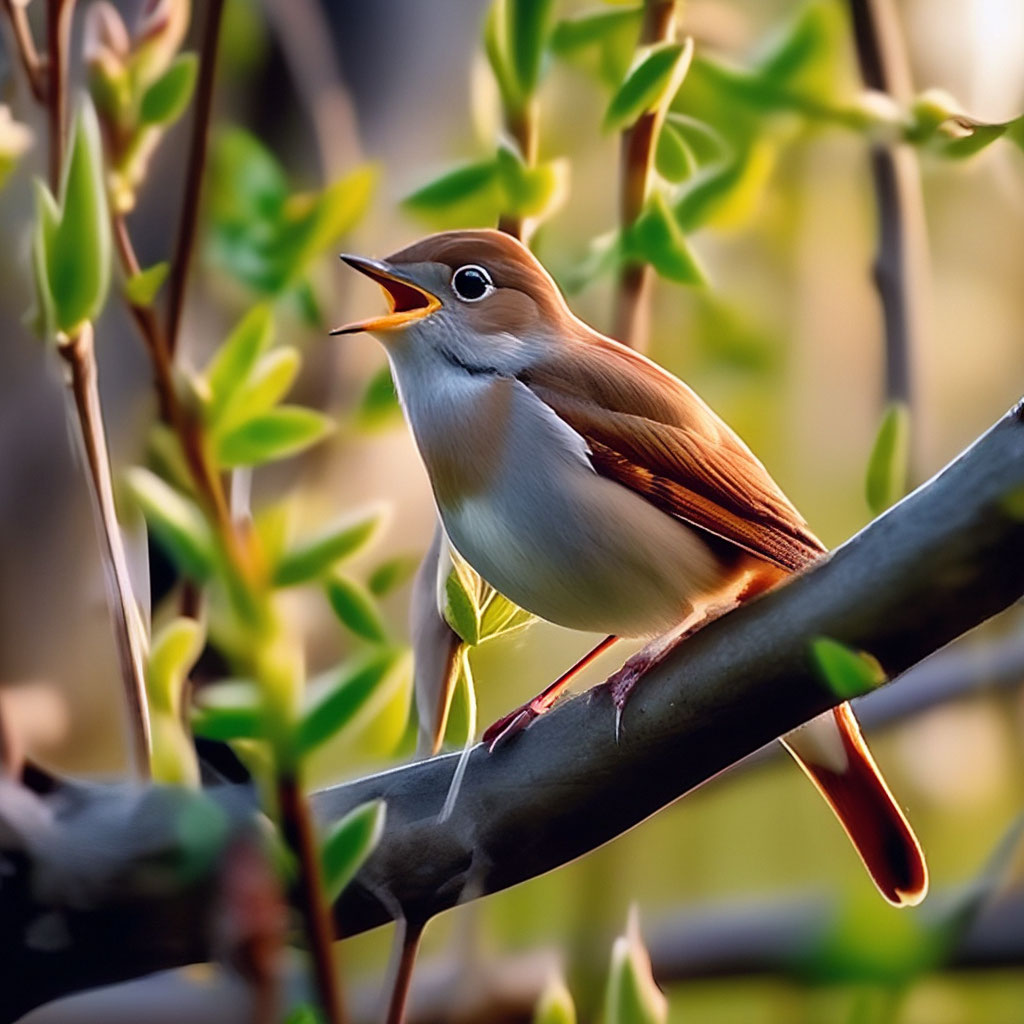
column 943, row 560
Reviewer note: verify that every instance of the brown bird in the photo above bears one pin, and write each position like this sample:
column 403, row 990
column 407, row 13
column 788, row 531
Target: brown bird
column 596, row 490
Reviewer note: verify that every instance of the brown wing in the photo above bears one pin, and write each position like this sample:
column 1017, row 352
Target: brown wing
column 649, row 432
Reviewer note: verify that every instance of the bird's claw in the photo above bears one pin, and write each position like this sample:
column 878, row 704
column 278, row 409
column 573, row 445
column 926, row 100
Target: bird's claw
column 507, row 727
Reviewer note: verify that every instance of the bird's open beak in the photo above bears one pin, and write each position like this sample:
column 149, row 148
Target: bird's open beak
column 408, row 301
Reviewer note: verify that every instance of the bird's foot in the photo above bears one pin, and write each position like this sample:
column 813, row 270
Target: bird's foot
column 622, row 683
column 514, row 722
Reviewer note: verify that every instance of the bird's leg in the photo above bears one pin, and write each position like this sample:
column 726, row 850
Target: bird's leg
column 519, row 719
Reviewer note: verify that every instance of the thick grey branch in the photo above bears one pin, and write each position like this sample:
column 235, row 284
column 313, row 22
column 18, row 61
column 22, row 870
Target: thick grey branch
column 943, row 560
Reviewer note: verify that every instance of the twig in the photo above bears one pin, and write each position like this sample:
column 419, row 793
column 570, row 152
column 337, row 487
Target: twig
column 79, row 355
column 188, row 220
column 408, row 943
column 901, row 256
column 33, row 65
column 631, row 323
column 297, row 829
column 58, row 37
column 521, row 125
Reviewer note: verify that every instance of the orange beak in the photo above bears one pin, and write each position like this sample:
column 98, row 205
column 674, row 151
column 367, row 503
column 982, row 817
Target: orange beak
column 407, row 301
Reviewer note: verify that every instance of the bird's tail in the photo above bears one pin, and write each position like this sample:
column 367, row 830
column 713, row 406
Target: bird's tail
column 833, row 754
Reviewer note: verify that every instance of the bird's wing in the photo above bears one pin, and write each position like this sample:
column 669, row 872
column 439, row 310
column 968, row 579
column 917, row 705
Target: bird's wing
column 646, row 430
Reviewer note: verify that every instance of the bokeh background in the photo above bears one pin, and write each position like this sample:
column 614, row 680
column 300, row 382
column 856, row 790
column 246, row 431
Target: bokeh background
column 786, row 344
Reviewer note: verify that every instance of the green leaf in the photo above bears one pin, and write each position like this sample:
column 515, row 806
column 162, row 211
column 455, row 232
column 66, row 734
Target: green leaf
column 166, row 99
column 496, row 49
column 175, row 522
column 247, row 183
column 650, row 82
column 673, row 157
column 229, row 710
column 530, row 191
column 357, row 685
column 846, row 672
column 379, row 404
column 729, row 193
column 78, row 250
column 316, row 556
column 460, row 610
column 141, row 289
column 468, row 196
column 555, row 1005
column 528, row 28
column 392, row 574
column 657, row 239
column 234, row 360
column 42, row 317
column 500, row 617
column 804, row 53
column 887, row 467
column 171, row 656
column 632, row 997
column 272, row 435
column 270, row 380
column 460, row 725
column 355, row 608
column 349, row 843
column 593, row 27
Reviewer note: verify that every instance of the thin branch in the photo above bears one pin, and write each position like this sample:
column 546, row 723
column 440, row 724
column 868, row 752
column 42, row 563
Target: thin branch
column 187, row 222
column 901, row 256
column 522, row 127
column 632, row 297
column 79, row 355
column 58, row 38
column 33, row 65
column 407, row 940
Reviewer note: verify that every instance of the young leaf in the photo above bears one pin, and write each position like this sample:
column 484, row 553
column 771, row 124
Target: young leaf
column 229, row 710
column 391, row 574
column 594, row 27
column 555, row 1005
column 355, row 607
column 651, row 82
column 657, row 239
column 78, row 256
column 673, row 157
column 459, row 723
column 528, row 29
column 270, row 380
column 141, row 289
column 369, row 680
column 175, row 522
column 531, row 191
column 316, row 556
column 632, row 997
column 42, row 317
column 349, row 843
column 173, row 652
column 460, row 609
column 499, row 617
column 166, row 99
column 235, row 359
column 887, row 467
column 848, row 673
column 467, row 196
column 272, row 435
column 803, row 55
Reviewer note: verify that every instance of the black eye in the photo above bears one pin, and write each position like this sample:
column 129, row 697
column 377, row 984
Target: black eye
column 472, row 283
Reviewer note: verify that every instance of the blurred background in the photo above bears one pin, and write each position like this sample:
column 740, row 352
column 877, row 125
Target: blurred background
column 785, row 343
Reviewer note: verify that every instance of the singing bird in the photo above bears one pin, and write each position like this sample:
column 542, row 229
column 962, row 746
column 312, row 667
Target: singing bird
column 593, row 488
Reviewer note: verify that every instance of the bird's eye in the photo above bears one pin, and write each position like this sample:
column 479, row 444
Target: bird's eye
column 472, row 283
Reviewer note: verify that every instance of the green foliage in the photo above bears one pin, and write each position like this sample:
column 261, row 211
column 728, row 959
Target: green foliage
column 272, row 435
column 165, row 100
column 846, row 672
column 349, row 843
column 555, row 1005
column 260, row 232
column 142, row 288
column 71, row 245
column 631, row 996
column 379, row 405
column 392, row 574
column 355, row 607
column 316, row 556
column 516, row 36
column 887, row 471
column 656, row 238
column 232, row 709
column 601, row 40
column 651, row 82
column 171, row 656
column 176, row 522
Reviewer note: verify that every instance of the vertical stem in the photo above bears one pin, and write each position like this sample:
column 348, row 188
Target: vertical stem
column 79, row 354
column 901, row 256
column 632, row 297
column 521, row 125
column 407, row 937
column 184, row 243
column 58, row 34
column 297, row 828
column 26, row 47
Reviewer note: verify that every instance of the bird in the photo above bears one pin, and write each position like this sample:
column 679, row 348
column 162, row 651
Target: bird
column 595, row 489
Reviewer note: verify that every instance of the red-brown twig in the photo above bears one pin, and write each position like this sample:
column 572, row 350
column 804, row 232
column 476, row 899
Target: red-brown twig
column 58, row 35
column 33, row 65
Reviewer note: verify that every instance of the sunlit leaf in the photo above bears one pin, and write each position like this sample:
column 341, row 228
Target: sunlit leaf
column 728, row 194
column 631, row 996
column 349, row 843
column 236, row 357
column 673, row 157
column 468, row 196
column 270, row 380
column 887, row 467
column 355, row 687
column 531, row 191
column 281, row 432
column 166, row 99
column 173, row 652
column 176, row 522
column 500, row 617
column 592, row 27
column 141, row 289
column 848, row 673
column 229, row 710
column 529, row 24
column 657, row 239
column 460, row 611
column 316, row 556
column 460, row 722
column 355, row 607
column 555, row 1005
column 649, row 83
column 804, row 53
